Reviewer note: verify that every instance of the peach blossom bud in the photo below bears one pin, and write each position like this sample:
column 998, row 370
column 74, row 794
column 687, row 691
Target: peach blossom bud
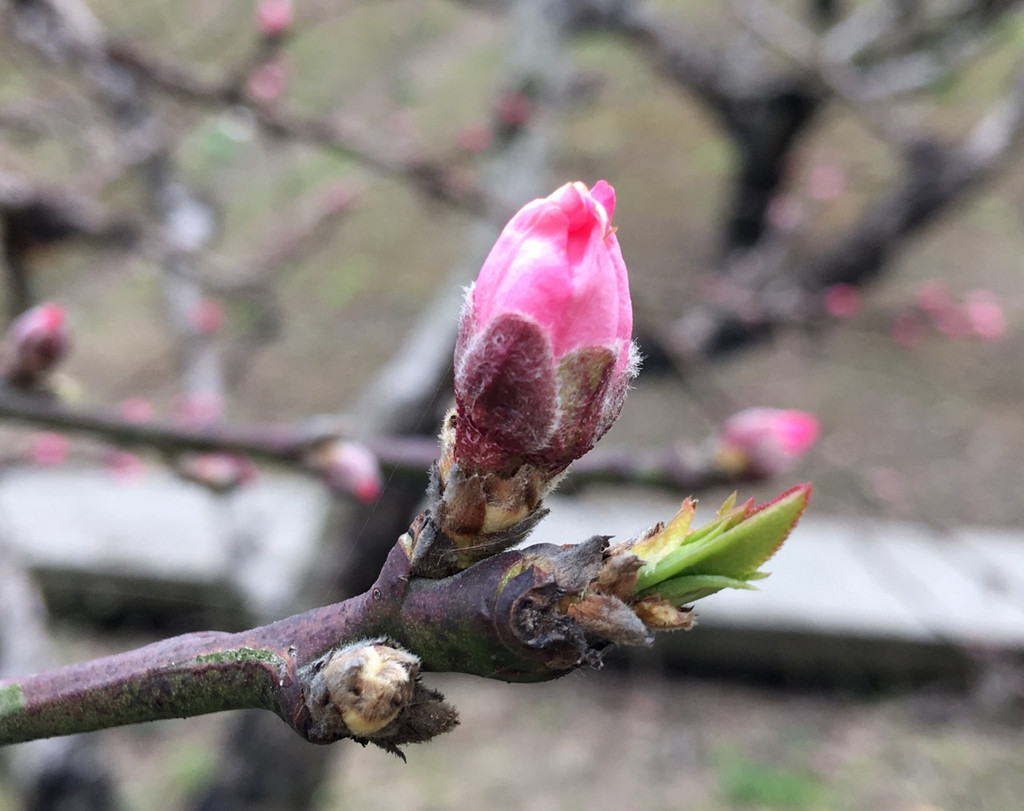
column 136, row 409
column 207, row 316
column 348, row 468
column 907, row 330
column 785, row 212
column 197, row 408
column 126, row 467
column 49, row 449
column 952, row 322
column 267, row 82
column 37, row 341
column 513, row 108
column 933, row 297
column 843, row 300
column 827, row 182
column 544, row 356
column 475, row 137
column 766, row 441
column 985, row 315
column 220, row 472
column 274, row 16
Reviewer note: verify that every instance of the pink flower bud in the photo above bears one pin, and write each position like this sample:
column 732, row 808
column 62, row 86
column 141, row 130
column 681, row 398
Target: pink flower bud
column 766, row 441
column 544, row 354
column 827, row 182
column 38, row 340
column 843, row 300
column 220, row 472
column 126, row 467
column 274, row 16
column 348, row 468
column 207, row 316
column 136, row 409
column 195, row 409
column 907, row 330
column 985, row 314
column 513, row 108
column 933, row 297
column 267, row 82
column 49, row 449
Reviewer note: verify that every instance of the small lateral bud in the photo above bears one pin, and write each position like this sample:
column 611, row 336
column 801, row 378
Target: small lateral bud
column 369, row 684
column 347, row 468
column 764, row 442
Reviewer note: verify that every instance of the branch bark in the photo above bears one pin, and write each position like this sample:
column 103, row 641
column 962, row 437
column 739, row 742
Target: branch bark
column 499, row 619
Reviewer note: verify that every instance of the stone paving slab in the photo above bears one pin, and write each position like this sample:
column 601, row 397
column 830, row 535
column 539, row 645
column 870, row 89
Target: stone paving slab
column 834, row 578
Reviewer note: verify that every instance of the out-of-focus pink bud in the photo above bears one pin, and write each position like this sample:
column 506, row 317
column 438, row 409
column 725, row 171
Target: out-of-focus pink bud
column 544, row 355
column 765, row 441
column 513, row 108
column 985, row 314
column 37, row 341
column 475, row 137
column 268, row 82
column 136, row 409
column 952, row 322
column 126, row 467
column 207, row 316
column 907, row 330
column 274, row 16
column 785, row 212
column 348, row 468
column 220, row 472
column 843, row 300
column 197, row 408
column 49, row 449
column 827, row 182
column 337, row 197
column 933, row 297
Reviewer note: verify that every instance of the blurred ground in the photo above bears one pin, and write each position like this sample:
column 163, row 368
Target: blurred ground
column 933, row 434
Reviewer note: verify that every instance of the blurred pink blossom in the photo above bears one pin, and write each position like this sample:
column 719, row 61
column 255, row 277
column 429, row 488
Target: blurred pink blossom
column 207, row 316
column 765, row 441
column 136, row 409
column 475, row 137
column 48, row 448
column 37, row 341
column 337, row 196
column 827, row 182
column 274, row 17
column 843, row 300
column 197, row 408
column 933, row 297
column 220, row 472
column 513, row 108
column 785, row 212
column 953, row 322
column 126, row 467
column 985, row 315
column 267, row 82
column 907, row 330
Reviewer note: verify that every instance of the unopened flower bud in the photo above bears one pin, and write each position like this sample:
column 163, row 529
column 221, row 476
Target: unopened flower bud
column 763, row 442
column 37, row 341
column 274, row 16
column 219, row 472
column 542, row 363
column 544, row 356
